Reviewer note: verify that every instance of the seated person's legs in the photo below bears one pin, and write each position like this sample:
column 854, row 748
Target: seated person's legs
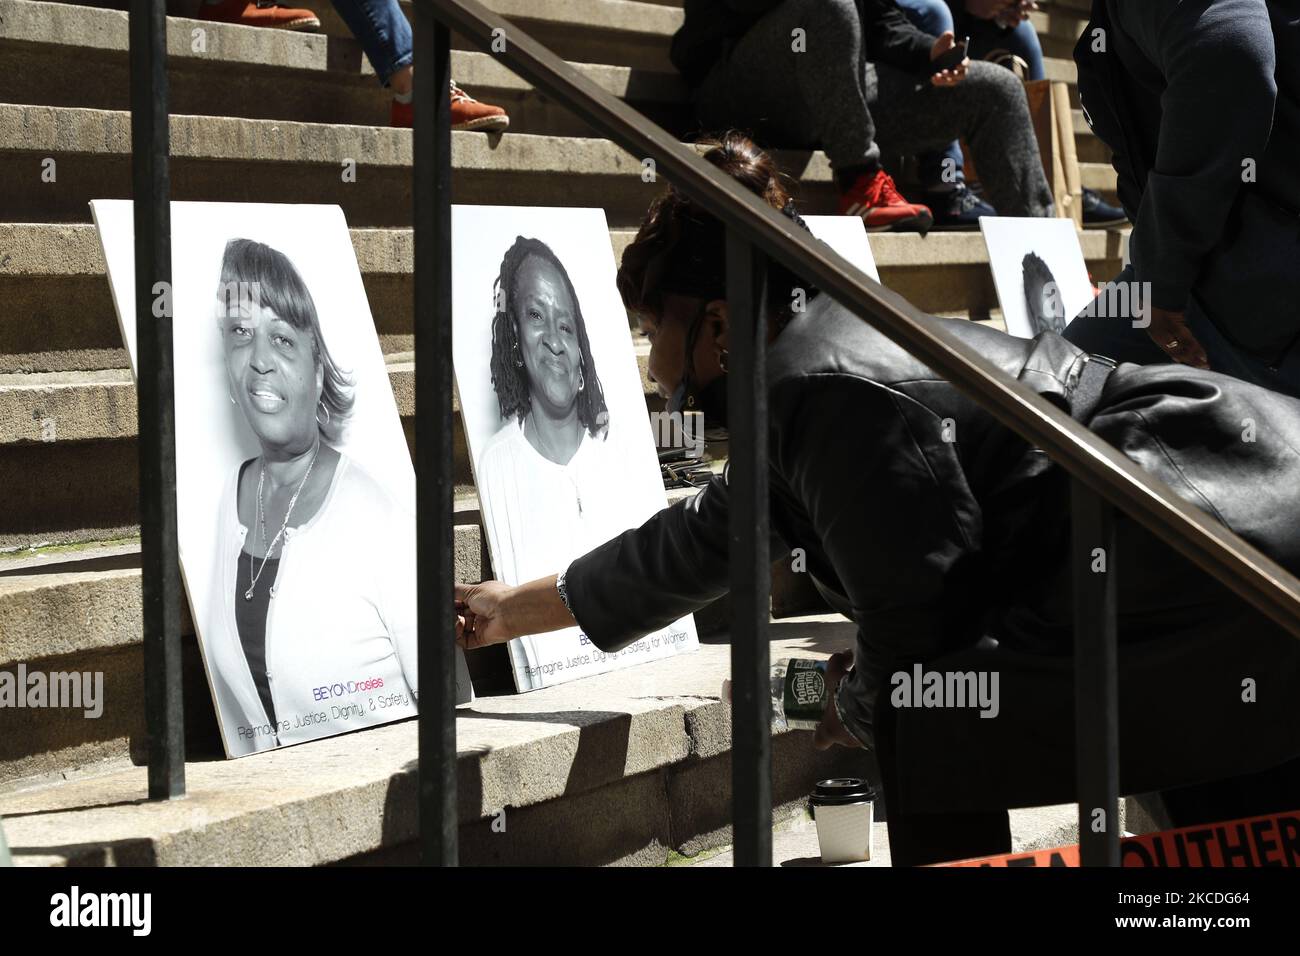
column 810, row 97
column 942, row 173
column 986, row 38
column 989, row 110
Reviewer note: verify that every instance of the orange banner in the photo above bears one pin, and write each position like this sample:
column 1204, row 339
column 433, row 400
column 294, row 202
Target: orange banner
column 1256, row 841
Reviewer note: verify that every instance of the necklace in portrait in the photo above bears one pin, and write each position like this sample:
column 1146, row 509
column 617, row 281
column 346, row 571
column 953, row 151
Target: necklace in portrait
column 261, row 521
column 548, row 453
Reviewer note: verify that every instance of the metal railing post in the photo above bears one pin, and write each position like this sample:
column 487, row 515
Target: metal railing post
column 1096, row 691
column 436, row 789
column 160, row 581
column 751, row 708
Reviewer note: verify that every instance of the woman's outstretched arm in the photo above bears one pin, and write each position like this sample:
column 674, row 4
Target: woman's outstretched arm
column 493, row 612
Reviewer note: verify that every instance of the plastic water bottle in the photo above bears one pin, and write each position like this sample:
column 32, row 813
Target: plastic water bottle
column 799, row 693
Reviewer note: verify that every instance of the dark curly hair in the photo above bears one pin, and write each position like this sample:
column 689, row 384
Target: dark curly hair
column 681, row 248
column 510, row 380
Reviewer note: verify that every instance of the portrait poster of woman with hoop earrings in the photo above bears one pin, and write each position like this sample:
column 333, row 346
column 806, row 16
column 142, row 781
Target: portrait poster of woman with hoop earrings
column 295, row 490
column 554, row 410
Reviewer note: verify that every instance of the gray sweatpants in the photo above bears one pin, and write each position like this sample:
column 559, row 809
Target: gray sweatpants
column 829, row 95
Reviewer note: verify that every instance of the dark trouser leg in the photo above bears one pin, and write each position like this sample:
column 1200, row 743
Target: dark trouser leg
column 944, row 167
column 794, row 98
column 918, row 839
column 988, row 109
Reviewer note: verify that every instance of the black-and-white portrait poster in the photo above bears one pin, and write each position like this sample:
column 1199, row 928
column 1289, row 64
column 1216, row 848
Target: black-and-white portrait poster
column 847, row 235
column 554, row 412
column 1039, row 272
column 295, row 493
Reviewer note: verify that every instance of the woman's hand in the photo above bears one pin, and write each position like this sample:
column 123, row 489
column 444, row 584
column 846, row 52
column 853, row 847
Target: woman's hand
column 830, row 731
column 1169, row 331
column 480, row 614
column 493, row 613
column 956, row 74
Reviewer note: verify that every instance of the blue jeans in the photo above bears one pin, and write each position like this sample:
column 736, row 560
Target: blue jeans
column 382, row 29
column 934, row 17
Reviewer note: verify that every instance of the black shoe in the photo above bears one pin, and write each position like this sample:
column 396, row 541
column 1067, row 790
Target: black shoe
column 958, row 208
column 1098, row 212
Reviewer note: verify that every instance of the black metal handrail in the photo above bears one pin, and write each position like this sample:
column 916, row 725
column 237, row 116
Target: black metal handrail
column 1103, row 477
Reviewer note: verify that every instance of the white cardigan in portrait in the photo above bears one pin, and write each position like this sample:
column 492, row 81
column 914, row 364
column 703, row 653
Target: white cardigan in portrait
column 540, row 515
column 341, row 627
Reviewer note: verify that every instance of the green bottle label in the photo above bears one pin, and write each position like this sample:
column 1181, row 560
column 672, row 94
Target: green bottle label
column 805, row 690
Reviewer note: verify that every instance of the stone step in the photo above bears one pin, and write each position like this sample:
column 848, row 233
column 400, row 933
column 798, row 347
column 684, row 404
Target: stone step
column 1090, row 148
column 1058, row 29
column 794, row 841
column 67, row 449
column 629, row 32
column 1098, row 176
column 316, row 78
column 77, row 608
column 617, row 768
column 50, row 48
column 366, row 170
column 319, row 78
column 46, row 267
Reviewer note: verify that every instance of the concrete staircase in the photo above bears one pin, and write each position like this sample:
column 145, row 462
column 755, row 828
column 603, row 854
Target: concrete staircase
column 266, row 116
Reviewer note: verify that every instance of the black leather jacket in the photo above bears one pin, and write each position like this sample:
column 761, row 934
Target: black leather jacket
column 930, row 524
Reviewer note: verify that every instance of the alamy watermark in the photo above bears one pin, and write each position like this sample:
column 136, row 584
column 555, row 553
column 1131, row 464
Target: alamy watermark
column 74, row 690
column 922, row 688
column 1114, row 300
column 679, row 430
column 73, row 909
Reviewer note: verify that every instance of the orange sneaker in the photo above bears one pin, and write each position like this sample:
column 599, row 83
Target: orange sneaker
column 876, row 200
column 259, row 13
column 466, row 113
column 469, row 113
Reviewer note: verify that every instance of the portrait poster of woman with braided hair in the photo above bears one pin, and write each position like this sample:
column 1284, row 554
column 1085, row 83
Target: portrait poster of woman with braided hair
column 554, row 411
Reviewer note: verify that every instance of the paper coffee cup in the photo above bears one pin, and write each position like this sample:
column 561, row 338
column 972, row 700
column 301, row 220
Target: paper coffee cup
column 844, row 810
